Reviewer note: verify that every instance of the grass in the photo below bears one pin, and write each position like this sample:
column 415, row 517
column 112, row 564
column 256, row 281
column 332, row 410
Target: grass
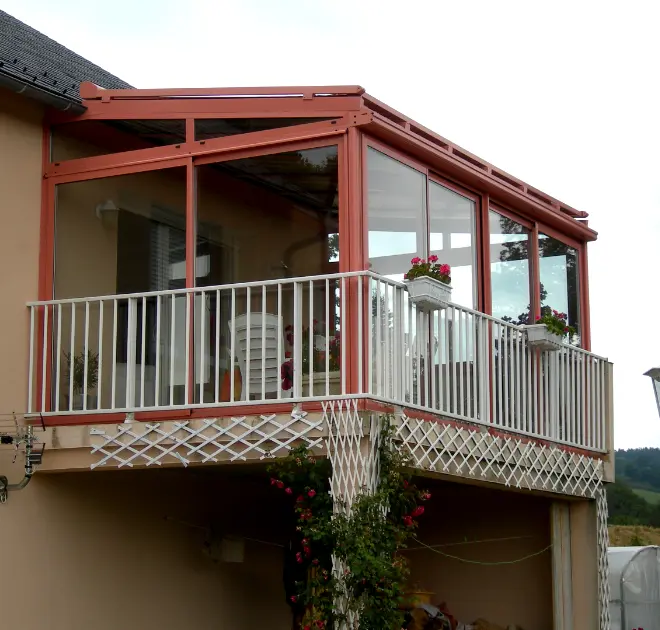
column 649, row 495
column 633, row 536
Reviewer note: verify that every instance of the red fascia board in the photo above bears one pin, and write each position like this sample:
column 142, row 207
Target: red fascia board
column 90, row 91
column 480, row 179
column 168, row 109
column 410, row 126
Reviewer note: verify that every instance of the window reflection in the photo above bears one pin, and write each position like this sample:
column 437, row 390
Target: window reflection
column 509, row 269
column 558, row 268
column 396, row 204
column 452, row 239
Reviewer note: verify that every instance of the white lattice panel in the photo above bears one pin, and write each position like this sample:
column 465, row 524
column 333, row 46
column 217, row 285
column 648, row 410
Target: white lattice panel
column 352, row 445
column 508, row 460
column 603, row 562
column 205, row 441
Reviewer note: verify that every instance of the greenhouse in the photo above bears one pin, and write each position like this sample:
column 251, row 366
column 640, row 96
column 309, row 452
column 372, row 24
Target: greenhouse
column 635, row 588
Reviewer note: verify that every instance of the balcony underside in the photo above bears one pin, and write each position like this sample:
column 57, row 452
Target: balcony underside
column 441, row 448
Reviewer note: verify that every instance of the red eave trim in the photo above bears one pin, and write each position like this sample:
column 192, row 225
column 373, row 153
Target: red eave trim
column 419, row 131
column 479, row 177
column 90, row 91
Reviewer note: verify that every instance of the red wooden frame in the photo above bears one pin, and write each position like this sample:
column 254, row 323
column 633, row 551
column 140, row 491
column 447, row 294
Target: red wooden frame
column 359, row 121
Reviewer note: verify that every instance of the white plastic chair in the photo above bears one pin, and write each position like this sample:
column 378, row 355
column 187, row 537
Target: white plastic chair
column 262, row 379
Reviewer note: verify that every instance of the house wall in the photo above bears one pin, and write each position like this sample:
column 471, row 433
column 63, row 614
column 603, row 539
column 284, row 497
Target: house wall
column 457, row 518
column 20, row 209
column 108, row 550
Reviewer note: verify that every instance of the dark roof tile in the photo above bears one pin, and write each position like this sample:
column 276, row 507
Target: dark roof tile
column 32, row 58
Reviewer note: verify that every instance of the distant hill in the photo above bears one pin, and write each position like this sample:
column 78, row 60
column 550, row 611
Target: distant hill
column 639, row 468
column 635, row 497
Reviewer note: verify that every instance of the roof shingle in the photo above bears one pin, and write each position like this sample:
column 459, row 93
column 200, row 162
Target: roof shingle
column 28, row 56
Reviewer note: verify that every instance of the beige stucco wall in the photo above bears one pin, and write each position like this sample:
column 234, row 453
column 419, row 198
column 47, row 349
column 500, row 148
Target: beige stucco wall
column 584, row 560
column 518, row 593
column 20, row 208
column 109, row 550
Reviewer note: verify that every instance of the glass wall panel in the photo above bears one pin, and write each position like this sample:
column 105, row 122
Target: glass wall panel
column 509, row 269
column 263, row 218
column 207, row 128
column 396, row 214
column 558, row 268
column 90, row 138
column 113, row 236
column 453, row 239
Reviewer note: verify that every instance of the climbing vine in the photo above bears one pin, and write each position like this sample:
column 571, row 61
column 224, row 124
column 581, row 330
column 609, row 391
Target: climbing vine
column 351, row 556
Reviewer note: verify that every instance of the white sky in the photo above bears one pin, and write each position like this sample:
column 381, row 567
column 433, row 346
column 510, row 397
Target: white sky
column 563, row 95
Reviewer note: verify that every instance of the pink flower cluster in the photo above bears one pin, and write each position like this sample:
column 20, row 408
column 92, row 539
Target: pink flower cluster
column 431, row 268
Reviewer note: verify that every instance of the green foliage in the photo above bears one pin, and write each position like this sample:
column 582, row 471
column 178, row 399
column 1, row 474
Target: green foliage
column 79, row 370
column 625, row 507
column 635, row 497
column 556, row 323
column 364, row 540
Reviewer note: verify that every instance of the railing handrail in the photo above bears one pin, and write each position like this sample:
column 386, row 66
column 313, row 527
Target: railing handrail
column 280, row 281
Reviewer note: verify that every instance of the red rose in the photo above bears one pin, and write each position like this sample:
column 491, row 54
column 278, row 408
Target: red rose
column 315, row 561
column 311, row 494
column 300, row 499
column 418, row 511
column 289, row 491
column 273, row 481
column 299, row 557
column 294, row 599
column 407, row 520
column 307, row 550
column 416, row 260
column 433, row 258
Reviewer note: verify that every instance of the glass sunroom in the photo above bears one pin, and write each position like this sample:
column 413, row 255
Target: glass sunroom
column 229, row 248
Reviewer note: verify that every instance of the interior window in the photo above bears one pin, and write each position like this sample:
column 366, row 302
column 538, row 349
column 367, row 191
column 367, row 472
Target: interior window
column 396, row 211
column 509, row 269
column 558, row 268
column 452, row 239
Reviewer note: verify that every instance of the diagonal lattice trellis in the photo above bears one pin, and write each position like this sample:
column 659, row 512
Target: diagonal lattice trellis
column 352, row 443
column 205, row 441
column 508, row 460
column 603, row 563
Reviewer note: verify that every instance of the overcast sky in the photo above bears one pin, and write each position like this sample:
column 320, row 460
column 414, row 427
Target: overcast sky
column 563, row 95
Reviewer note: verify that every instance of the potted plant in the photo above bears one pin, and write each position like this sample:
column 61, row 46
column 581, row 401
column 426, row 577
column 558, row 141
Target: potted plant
column 76, row 370
column 428, row 283
column 550, row 331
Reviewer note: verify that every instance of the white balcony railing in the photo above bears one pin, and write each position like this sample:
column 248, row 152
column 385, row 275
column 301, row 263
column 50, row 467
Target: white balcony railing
column 336, row 336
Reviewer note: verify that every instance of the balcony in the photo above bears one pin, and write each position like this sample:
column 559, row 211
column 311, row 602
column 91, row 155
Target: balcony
column 310, row 339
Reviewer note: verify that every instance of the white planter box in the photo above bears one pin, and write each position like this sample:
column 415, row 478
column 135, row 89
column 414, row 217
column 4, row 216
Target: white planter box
column 429, row 294
column 539, row 337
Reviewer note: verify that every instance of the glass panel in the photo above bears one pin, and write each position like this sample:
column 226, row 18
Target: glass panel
column 90, row 138
column 509, row 269
column 558, row 268
column 207, row 128
column 452, row 239
column 396, row 211
column 113, row 236
column 263, row 218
